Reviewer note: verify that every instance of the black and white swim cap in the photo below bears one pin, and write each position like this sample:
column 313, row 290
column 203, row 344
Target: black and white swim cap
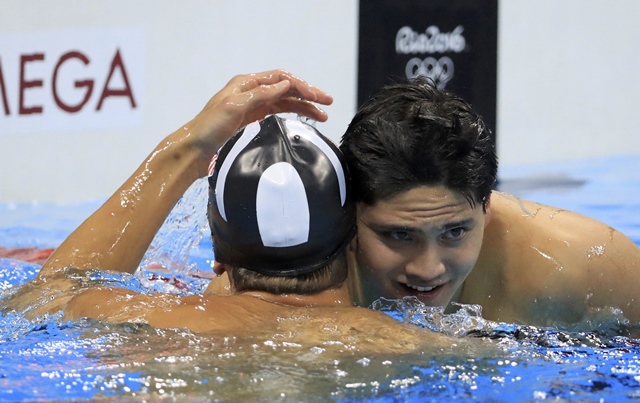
column 279, row 199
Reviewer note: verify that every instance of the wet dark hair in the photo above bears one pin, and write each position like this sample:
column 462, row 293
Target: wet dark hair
column 410, row 134
column 332, row 275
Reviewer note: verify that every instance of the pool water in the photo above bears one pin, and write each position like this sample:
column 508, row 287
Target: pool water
column 48, row 359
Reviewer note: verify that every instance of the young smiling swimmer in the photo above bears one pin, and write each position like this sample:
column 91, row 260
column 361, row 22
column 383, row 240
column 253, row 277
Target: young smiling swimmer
column 281, row 218
column 429, row 224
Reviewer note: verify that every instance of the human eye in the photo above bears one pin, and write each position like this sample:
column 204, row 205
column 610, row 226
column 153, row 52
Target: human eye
column 397, row 235
column 454, row 234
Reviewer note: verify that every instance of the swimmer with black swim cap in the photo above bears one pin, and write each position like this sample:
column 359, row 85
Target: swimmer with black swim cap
column 281, row 215
column 280, row 204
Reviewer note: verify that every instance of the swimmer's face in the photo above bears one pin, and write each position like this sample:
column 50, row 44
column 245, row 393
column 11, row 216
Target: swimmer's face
column 423, row 242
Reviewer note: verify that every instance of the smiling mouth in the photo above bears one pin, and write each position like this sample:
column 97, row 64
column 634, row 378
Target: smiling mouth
column 421, row 289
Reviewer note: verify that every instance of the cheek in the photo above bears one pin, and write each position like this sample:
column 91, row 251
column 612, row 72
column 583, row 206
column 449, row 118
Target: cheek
column 374, row 270
column 464, row 259
column 374, row 256
column 466, row 264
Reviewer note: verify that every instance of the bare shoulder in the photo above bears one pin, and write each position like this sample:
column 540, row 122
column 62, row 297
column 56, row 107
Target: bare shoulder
column 37, row 297
column 199, row 313
column 344, row 328
column 556, row 260
column 367, row 331
column 572, row 237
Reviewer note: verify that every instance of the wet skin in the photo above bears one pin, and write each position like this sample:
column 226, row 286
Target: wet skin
column 423, row 242
column 521, row 261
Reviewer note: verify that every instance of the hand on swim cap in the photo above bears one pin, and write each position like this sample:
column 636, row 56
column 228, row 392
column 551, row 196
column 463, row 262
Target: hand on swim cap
column 279, row 199
column 250, row 97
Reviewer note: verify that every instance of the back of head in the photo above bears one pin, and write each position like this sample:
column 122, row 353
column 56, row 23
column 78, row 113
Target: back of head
column 280, row 208
column 411, row 134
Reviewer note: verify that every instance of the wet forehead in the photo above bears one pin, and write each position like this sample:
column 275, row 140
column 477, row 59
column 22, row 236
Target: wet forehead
column 423, row 203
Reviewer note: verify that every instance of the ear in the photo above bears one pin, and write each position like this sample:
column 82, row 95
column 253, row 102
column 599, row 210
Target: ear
column 218, row 268
column 220, row 285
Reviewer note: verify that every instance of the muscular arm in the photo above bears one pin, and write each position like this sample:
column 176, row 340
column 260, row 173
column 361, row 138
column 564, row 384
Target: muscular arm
column 243, row 314
column 196, row 312
column 117, row 235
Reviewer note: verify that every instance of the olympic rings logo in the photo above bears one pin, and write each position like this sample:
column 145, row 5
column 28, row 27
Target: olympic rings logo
column 439, row 70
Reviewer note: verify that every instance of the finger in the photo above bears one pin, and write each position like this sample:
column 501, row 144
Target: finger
column 278, row 99
column 299, row 87
column 271, row 99
column 310, row 93
column 247, row 82
column 239, row 109
column 307, row 91
column 303, row 108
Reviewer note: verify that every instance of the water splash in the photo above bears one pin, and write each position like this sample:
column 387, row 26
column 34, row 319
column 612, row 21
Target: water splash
column 15, row 272
column 48, row 358
column 307, row 120
column 411, row 310
column 181, row 232
column 599, row 327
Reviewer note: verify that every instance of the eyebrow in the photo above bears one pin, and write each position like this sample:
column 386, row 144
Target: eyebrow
column 390, row 227
column 462, row 223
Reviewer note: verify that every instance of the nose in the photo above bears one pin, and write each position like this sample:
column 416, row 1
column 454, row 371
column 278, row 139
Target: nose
column 425, row 264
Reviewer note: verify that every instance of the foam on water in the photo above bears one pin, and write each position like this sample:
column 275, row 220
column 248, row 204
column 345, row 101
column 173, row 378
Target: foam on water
column 466, row 319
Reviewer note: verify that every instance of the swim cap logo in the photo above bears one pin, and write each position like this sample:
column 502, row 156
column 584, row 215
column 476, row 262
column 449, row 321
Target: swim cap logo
column 282, row 207
column 250, row 131
column 281, row 203
column 279, row 199
column 300, row 129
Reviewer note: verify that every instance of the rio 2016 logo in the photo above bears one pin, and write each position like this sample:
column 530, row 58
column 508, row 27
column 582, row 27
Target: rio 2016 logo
column 438, row 69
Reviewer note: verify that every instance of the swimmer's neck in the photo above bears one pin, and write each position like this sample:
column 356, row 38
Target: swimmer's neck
column 336, row 296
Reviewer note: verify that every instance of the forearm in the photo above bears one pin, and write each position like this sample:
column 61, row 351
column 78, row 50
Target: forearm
column 118, row 234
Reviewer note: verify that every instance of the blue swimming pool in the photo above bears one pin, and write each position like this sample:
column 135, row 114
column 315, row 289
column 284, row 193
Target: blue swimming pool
column 51, row 360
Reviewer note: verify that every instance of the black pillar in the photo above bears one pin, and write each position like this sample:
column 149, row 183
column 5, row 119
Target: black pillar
column 454, row 42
